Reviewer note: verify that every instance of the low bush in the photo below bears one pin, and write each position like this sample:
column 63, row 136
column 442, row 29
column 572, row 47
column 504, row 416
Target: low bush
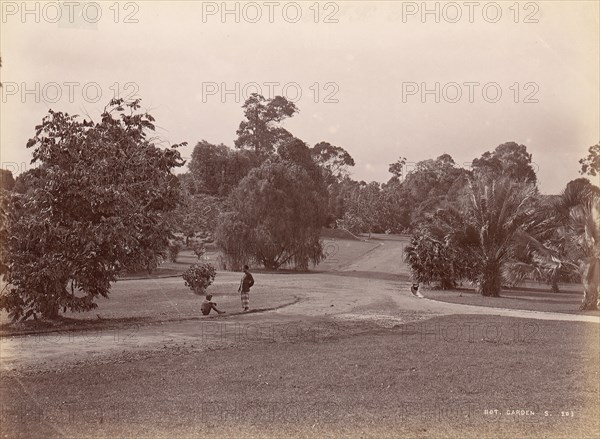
column 199, row 277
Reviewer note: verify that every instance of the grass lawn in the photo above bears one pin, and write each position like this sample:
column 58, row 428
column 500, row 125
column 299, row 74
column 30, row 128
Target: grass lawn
column 468, row 376
column 341, row 252
column 162, row 295
column 139, row 298
column 134, row 302
column 453, row 376
column 527, row 298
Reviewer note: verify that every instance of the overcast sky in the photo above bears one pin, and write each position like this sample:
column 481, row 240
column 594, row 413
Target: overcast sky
column 356, row 70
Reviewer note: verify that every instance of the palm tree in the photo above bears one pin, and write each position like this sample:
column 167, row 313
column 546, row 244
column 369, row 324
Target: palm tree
column 585, row 229
column 543, row 232
column 476, row 239
column 570, row 243
column 499, row 210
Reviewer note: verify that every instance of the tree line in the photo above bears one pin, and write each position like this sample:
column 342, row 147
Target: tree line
column 104, row 199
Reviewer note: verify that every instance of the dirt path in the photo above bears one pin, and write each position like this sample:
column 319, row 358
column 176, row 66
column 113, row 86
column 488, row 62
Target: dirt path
column 373, row 289
column 388, row 258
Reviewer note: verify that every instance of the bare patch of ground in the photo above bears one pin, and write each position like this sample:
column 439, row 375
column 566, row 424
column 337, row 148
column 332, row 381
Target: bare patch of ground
column 362, row 381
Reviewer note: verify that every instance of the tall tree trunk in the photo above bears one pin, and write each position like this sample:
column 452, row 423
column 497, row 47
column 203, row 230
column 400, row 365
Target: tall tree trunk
column 591, row 284
column 50, row 311
column 554, row 286
column 447, row 284
column 490, row 282
column 590, row 298
column 50, row 307
column 270, row 264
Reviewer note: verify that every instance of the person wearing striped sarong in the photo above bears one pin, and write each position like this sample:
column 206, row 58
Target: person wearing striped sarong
column 244, row 289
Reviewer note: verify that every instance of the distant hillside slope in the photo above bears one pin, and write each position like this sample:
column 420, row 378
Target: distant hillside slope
column 387, row 257
column 338, row 234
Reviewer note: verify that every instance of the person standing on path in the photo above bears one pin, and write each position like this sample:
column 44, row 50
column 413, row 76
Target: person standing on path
column 244, row 289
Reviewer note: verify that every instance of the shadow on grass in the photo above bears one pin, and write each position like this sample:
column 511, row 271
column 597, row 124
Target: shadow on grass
column 571, row 291
column 250, row 311
column 157, row 273
column 524, row 294
column 68, row 324
column 520, row 299
column 62, row 324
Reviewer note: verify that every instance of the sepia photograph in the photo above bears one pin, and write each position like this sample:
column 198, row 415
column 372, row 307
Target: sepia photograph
column 300, row 219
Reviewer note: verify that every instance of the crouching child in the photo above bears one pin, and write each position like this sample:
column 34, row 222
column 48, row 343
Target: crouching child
column 208, row 305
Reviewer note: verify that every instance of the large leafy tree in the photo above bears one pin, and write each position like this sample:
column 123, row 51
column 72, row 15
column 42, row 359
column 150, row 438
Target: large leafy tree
column 294, row 150
column 95, row 206
column 591, row 163
column 217, row 169
column 566, row 242
column 197, row 213
column 363, row 207
column 394, row 210
column 397, row 169
column 334, row 160
column 276, row 216
column 432, row 185
column 4, row 212
column 337, row 203
column 7, row 180
column 509, row 159
column 260, row 131
column 371, row 207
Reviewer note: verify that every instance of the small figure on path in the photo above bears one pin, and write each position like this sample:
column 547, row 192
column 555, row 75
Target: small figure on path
column 207, row 306
column 415, row 289
column 244, row 289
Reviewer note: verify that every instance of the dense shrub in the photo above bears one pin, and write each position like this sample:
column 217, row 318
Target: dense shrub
column 199, row 277
column 439, row 251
